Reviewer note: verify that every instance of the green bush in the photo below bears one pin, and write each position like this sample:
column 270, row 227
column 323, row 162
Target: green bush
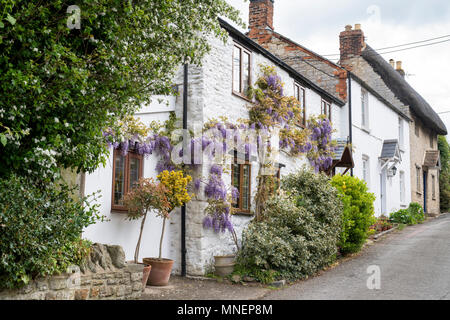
column 299, row 233
column 413, row 215
column 40, row 229
column 358, row 214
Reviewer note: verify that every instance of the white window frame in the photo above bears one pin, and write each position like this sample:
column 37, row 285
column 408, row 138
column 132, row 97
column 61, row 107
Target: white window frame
column 402, row 187
column 364, row 109
column 366, row 169
column 300, row 95
column 401, row 134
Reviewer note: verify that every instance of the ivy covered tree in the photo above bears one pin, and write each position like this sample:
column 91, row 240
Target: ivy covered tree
column 444, row 177
column 69, row 71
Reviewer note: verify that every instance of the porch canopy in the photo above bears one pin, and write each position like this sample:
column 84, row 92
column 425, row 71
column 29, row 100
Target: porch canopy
column 342, row 157
column 390, row 154
column 432, row 159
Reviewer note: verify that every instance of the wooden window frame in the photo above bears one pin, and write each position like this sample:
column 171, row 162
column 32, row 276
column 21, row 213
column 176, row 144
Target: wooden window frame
column 243, row 50
column 117, row 152
column 297, row 89
column 324, row 110
column 239, row 209
column 433, row 187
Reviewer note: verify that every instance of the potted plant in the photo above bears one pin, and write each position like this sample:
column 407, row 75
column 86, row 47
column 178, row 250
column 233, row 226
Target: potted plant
column 175, row 186
column 146, row 196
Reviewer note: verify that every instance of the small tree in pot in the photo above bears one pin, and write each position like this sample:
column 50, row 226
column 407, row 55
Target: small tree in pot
column 170, row 193
column 146, row 196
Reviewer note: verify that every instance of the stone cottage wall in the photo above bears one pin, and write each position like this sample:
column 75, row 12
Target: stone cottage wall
column 104, row 276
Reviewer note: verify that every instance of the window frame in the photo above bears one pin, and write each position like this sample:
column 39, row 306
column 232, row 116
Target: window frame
column 297, row 89
column 401, row 134
column 431, row 141
column 433, row 187
column 241, row 93
column 239, row 209
column 416, row 128
column 418, row 179
column 323, row 109
column 130, row 154
column 402, row 183
column 365, row 109
column 366, row 171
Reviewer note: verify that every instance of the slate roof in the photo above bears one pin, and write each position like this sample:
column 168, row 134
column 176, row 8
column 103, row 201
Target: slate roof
column 340, row 148
column 390, row 149
column 403, row 91
column 431, row 158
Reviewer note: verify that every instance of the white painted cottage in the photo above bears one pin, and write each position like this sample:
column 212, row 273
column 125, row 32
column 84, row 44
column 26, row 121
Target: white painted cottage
column 214, row 89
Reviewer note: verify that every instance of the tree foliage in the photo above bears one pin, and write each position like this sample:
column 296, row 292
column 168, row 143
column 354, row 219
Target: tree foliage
column 444, row 178
column 60, row 86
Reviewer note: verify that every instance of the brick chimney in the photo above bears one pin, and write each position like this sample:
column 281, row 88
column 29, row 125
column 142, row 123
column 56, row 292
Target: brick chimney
column 351, row 42
column 260, row 15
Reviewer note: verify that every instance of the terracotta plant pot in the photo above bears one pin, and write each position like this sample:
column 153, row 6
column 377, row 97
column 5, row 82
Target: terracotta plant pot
column 160, row 273
column 145, row 274
column 224, row 265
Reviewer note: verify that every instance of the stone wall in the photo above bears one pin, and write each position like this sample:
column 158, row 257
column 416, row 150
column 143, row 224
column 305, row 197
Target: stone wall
column 104, row 276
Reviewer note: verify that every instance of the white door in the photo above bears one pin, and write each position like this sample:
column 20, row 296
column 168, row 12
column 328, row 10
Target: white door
column 383, row 191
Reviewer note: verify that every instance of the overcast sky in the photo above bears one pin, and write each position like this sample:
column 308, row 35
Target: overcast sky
column 317, row 24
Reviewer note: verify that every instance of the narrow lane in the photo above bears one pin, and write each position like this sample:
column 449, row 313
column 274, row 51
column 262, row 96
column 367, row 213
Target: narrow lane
column 413, row 264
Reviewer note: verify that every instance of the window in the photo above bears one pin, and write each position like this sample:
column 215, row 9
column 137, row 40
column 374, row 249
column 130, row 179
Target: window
column 300, row 95
column 433, row 187
column 366, row 169
column 416, row 128
column 402, row 187
column 241, row 179
column 326, row 109
column 126, row 172
column 401, row 139
column 418, row 179
column 364, row 109
column 241, row 70
column 431, row 141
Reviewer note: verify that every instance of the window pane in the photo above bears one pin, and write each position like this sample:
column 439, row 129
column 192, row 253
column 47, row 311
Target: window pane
column 237, row 69
column 119, row 179
column 246, row 72
column 235, row 182
column 135, row 165
column 303, row 102
column 246, row 188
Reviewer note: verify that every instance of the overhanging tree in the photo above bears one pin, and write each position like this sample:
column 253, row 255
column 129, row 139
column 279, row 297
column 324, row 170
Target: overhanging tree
column 61, row 85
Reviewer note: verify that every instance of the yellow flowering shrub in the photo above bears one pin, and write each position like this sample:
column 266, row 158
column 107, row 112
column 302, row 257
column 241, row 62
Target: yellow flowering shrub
column 176, row 184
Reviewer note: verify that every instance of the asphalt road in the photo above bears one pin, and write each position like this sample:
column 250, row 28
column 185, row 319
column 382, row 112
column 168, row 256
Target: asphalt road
column 412, row 264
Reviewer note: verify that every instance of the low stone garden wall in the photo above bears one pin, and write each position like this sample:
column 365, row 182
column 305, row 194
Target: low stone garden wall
column 104, row 276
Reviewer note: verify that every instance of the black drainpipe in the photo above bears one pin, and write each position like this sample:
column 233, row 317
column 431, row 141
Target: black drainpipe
column 183, row 208
column 350, row 132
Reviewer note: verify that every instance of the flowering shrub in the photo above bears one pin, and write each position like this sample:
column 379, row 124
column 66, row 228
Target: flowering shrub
column 299, row 233
column 358, row 213
column 413, row 215
column 146, row 196
column 176, row 185
column 40, row 228
column 320, row 148
column 381, row 224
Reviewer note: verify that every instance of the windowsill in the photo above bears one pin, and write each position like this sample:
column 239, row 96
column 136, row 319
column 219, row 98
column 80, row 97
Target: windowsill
column 120, row 211
column 403, row 205
column 245, row 214
column 367, row 130
column 241, row 95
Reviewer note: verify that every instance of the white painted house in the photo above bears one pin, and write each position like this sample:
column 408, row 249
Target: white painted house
column 213, row 91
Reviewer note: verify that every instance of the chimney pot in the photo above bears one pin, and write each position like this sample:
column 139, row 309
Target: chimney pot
column 392, row 62
column 399, row 65
column 358, row 26
column 348, row 28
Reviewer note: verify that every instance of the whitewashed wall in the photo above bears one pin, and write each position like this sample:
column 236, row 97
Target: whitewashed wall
column 383, row 125
column 209, row 96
